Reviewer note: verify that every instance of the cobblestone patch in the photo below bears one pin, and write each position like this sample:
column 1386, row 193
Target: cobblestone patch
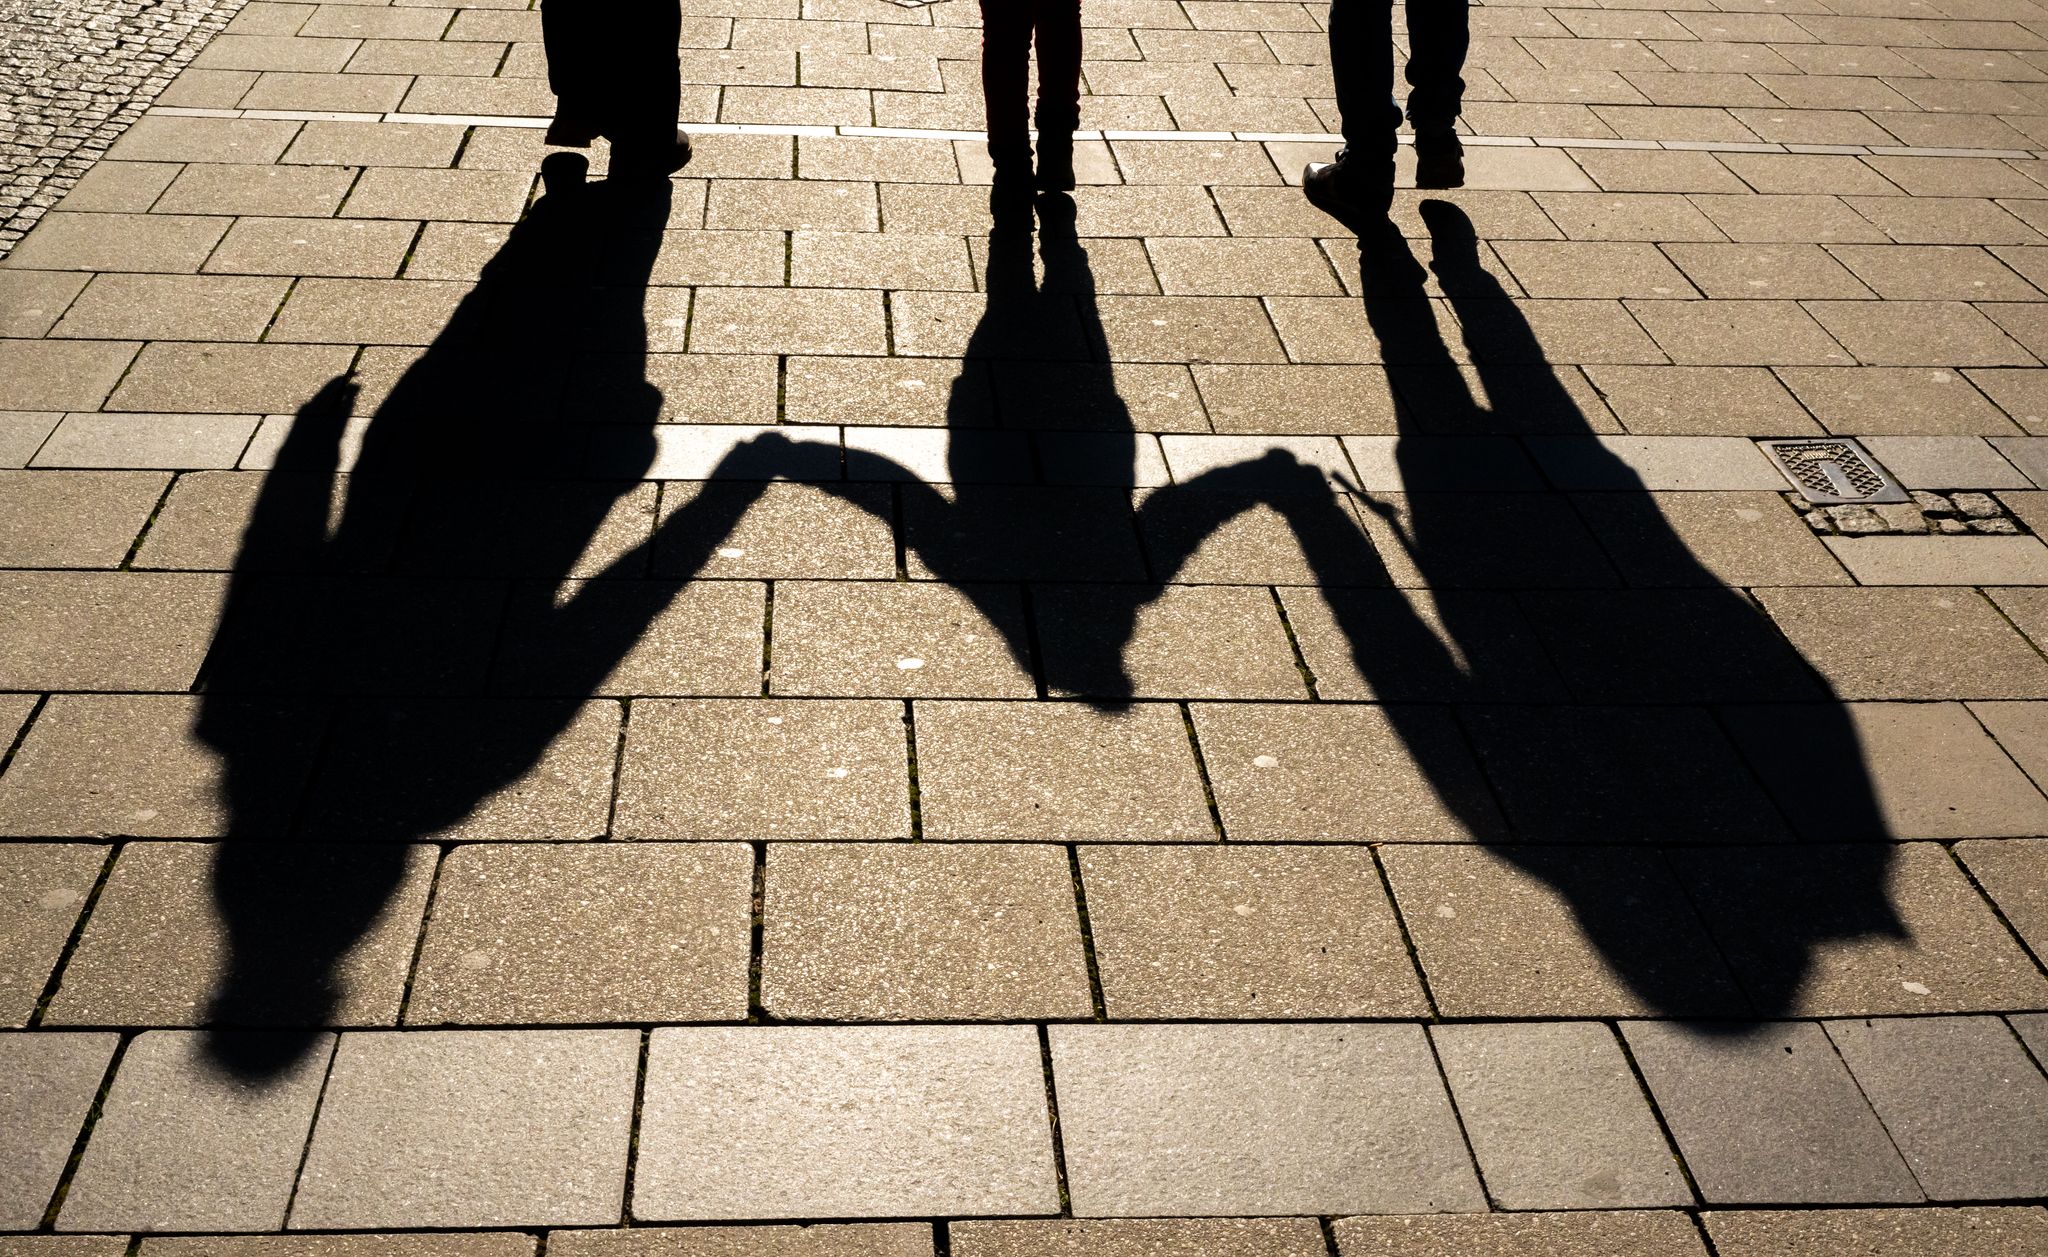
column 75, row 74
column 1952, row 512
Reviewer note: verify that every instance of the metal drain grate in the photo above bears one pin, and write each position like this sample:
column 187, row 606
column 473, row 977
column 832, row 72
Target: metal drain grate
column 1836, row 471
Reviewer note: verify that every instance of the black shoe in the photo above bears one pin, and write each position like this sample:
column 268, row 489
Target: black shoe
column 634, row 159
column 1055, row 161
column 1346, row 192
column 1439, row 160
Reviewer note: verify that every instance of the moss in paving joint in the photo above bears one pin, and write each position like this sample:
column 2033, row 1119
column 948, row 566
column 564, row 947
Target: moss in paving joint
column 611, row 809
column 757, row 934
column 85, row 1129
column 92, row 899
column 1308, row 676
column 1087, row 933
column 1052, row 1113
column 1407, row 938
column 127, row 563
column 1031, row 643
column 632, row 1139
column 419, row 944
column 767, row 636
column 897, row 532
column 306, row 1148
column 910, row 759
column 1187, row 720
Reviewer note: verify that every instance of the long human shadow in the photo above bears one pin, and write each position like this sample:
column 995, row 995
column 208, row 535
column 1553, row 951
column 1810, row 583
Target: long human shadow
column 1604, row 685
column 368, row 605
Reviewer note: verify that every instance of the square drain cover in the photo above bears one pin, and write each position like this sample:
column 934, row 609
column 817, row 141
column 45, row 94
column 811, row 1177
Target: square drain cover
column 1834, row 471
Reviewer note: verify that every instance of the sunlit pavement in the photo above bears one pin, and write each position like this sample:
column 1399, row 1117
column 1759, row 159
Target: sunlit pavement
column 627, row 717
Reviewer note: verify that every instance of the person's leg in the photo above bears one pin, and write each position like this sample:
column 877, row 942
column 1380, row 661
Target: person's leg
column 1439, row 32
column 567, row 30
column 1361, row 62
column 1059, row 91
column 1358, row 188
column 644, row 70
column 1005, row 82
column 643, row 84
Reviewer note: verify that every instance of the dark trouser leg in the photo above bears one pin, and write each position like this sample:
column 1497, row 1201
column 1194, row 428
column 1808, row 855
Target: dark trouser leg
column 1059, row 64
column 617, row 65
column 570, row 31
column 1006, row 77
column 1361, row 61
column 645, row 79
column 1439, row 32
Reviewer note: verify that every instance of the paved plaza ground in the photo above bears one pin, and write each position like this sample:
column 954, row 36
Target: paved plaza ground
column 771, row 715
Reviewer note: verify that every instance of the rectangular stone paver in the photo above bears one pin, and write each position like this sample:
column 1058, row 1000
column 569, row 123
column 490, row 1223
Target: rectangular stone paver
column 221, row 379
column 57, row 375
column 1193, row 641
column 1943, row 560
column 1740, row 538
column 1767, row 1114
column 1058, row 772
column 526, row 769
column 100, row 765
column 1960, row 1098
column 757, row 769
column 697, row 638
column 1908, row 934
column 1971, row 1232
column 43, row 886
column 1633, row 1234
column 913, row 1121
column 1257, row 1120
column 68, row 1245
column 1594, row 930
column 1556, row 1118
column 509, row 1127
column 822, row 1239
column 1287, row 773
column 918, row 639
column 105, row 630
column 1246, row 932
column 1140, row 1237
column 526, row 935
column 168, row 243
column 414, row 1244
column 926, row 933
column 81, row 519
column 788, row 531
column 1933, row 772
column 47, row 1084
column 181, row 928
column 184, row 1144
column 1908, row 643
column 171, row 442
